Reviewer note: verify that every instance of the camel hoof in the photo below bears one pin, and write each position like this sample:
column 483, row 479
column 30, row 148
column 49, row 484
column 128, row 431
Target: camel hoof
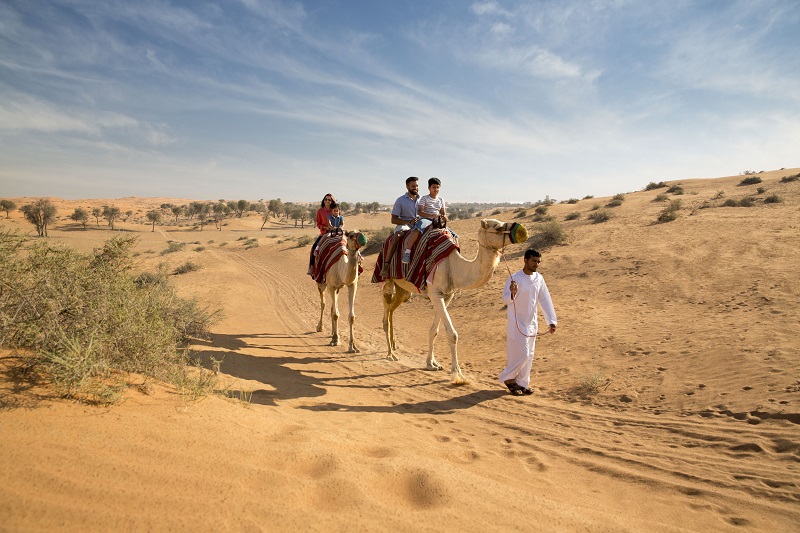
column 353, row 350
column 434, row 367
column 319, row 328
column 459, row 379
column 334, row 342
column 392, row 357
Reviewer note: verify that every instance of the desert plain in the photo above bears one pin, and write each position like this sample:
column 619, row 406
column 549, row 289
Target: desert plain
column 667, row 400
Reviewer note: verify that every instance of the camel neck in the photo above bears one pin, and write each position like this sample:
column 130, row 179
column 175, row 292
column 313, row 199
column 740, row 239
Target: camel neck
column 478, row 272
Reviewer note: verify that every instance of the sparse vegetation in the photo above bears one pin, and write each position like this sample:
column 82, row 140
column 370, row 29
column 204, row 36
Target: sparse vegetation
column 670, row 212
column 750, row 180
column 547, row 235
column 601, row 215
column 675, row 189
column 173, row 247
column 573, row 201
column 82, row 319
column 789, row 179
column 742, row 202
column 188, row 266
column 773, row 199
column 719, row 195
column 41, row 214
column 661, row 198
column 375, row 240
column 590, row 384
column 653, row 185
column 616, row 200
column 304, row 240
column 575, row 215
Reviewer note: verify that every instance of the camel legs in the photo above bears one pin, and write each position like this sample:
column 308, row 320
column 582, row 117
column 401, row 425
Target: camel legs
column 321, row 288
column 440, row 303
column 393, row 296
column 334, row 316
column 351, row 300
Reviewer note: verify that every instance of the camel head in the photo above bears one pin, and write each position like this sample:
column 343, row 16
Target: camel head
column 497, row 235
column 355, row 239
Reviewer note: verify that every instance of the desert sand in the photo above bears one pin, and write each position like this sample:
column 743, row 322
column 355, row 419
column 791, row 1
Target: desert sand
column 690, row 327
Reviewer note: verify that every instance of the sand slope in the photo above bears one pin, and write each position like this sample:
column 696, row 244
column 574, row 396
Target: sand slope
column 690, row 326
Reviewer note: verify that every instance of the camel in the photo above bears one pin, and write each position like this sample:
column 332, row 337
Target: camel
column 344, row 272
column 452, row 273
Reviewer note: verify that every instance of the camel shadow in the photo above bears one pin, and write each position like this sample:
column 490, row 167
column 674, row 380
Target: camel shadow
column 279, row 372
column 430, row 407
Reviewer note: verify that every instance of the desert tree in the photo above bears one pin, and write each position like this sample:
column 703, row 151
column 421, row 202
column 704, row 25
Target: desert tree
column 97, row 213
column 154, row 216
column 111, row 213
column 275, row 207
column 202, row 210
column 126, row 215
column 345, row 206
column 264, row 218
column 40, row 213
column 239, row 208
column 177, row 211
column 7, row 206
column 81, row 216
column 220, row 210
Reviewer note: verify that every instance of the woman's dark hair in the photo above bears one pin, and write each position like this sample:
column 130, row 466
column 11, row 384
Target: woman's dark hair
column 434, row 180
column 333, row 206
column 329, row 195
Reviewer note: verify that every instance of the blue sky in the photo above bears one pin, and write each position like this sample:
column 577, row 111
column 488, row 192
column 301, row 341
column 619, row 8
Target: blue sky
column 502, row 100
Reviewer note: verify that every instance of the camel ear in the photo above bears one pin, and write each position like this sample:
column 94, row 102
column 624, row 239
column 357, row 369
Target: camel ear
column 483, row 223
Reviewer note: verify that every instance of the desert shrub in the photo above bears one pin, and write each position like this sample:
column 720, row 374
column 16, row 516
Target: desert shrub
column 773, row 199
column 173, row 247
column 304, row 240
column 496, row 212
column 719, row 195
column 670, row 212
column 188, row 266
column 588, row 197
column 210, row 242
column 599, row 216
column 614, row 203
column 199, row 248
column 541, row 210
column 82, row 318
column 375, row 240
column 547, row 235
column 789, row 179
column 590, row 384
column 575, row 215
column 750, row 180
column 224, row 243
column 653, row 185
column 660, row 197
column 250, row 243
column 730, row 202
column 521, row 213
column 573, row 201
column 595, row 207
column 675, row 189
column 746, row 202
column 761, row 190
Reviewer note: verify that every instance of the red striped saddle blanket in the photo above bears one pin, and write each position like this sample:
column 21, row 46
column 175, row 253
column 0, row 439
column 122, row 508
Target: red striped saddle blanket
column 331, row 248
column 433, row 246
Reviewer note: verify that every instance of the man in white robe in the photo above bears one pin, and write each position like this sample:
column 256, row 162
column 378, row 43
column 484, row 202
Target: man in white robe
column 523, row 292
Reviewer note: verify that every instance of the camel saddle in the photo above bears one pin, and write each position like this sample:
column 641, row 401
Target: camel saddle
column 432, row 246
column 331, row 248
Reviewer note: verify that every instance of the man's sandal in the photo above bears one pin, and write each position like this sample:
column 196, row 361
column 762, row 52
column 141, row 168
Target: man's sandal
column 514, row 389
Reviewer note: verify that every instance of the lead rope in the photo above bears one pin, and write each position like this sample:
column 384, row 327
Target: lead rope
column 513, row 300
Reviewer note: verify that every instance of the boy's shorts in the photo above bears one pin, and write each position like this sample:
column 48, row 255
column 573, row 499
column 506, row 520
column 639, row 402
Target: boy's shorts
column 422, row 224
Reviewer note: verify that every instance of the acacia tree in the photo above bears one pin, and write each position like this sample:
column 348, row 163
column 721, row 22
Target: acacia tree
column 96, row 213
column 126, row 216
column 111, row 213
column 80, row 215
column 177, row 211
column 40, row 214
column 154, row 216
column 7, row 206
column 275, row 207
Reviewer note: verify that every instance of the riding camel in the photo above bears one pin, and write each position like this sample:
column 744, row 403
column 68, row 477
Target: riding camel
column 452, row 273
column 339, row 264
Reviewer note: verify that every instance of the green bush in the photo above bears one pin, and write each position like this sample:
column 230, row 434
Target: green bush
column 599, row 216
column 575, row 215
column 675, row 189
column 173, row 247
column 750, row 180
column 670, row 212
column 547, row 235
column 789, row 179
column 188, row 266
column 375, row 240
column 653, row 185
column 773, row 199
column 304, row 240
column 573, row 201
column 84, row 317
